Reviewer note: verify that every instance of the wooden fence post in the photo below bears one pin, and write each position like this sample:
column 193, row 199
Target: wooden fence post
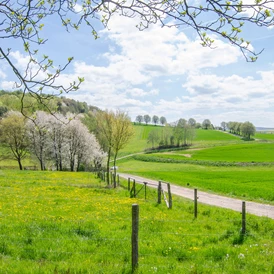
column 243, row 231
column 134, row 237
column 169, row 196
column 118, row 179
column 114, row 179
column 195, row 203
column 128, row 184
column 134, row 188
column 159, row 192
column 145, row 183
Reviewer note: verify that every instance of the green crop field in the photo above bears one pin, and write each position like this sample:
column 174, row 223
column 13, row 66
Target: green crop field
column 214, row 135
column 251, row 152
column 265, row 136
column 63, row 222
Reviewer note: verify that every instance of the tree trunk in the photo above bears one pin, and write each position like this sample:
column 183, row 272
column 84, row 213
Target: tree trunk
column 20, row 164
column 114, row 164
column 108, row 160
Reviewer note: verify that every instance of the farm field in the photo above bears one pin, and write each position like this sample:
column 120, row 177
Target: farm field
column 252, row 152
column 62, row 222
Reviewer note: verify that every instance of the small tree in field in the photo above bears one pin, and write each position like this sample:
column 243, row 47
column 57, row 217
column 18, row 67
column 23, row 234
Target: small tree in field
column 248, row 130
column 122, row 133
column 139, row 119
column 163, row 120
column 206, row 124
column 13, row 135
column 115, row 130
column 147, row 119
column 155, row 119
column 153, row 137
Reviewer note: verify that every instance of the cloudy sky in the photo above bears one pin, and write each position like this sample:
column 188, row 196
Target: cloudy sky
column 162, row 71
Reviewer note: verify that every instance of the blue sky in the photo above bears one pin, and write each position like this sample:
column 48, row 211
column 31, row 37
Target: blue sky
column 161, row 71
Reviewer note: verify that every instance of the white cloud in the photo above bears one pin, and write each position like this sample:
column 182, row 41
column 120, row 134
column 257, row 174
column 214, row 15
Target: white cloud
column 3, row 75
column 7, row 85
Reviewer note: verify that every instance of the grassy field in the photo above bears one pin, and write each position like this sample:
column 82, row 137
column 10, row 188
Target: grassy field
column 265, row 136
column 214, row 135
column 251, row 152
column 251, row 183
column 61, row 222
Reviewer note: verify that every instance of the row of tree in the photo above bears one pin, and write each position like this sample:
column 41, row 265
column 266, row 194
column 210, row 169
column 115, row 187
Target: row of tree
column 245, row 129
column 179, row 133
column 154, row 119
column 60, row 142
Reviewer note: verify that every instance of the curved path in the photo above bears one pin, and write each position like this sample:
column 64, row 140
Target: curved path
column 211, row 199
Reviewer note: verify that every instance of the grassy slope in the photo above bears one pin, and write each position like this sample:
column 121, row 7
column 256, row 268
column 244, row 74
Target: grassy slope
column 61, row 222
column 139, row 141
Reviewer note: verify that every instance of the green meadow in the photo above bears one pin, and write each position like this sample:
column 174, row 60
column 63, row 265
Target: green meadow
column 251, row 152
column 63, row 222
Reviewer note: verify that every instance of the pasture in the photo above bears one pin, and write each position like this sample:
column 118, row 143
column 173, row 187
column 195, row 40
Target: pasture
column 62, row 222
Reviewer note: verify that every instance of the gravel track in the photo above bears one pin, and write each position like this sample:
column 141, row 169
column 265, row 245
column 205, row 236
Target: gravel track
column 210, row 199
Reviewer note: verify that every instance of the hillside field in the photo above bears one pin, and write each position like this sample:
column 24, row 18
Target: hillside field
column 217, row 161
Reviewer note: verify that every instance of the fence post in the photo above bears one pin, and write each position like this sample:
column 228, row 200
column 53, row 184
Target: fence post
column 118, row 179
column 114, row 179
column 195, row 203
column 159, row 192
column 243, row 231
column 169, row 196
column 134, row 188
column 134, row 236
column 128, row 184
column 145, row 183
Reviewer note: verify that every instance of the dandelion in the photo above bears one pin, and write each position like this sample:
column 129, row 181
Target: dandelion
column 241, row 256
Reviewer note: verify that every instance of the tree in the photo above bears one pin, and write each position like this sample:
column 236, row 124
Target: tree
column 147, row 119
column 81, row 145
column 115, row 129
column 155, row 119
column 248, row 130
column 39, row 137
column 24, row 21
column 206, row 124
column 13, row 135
column 57, row 135
column 122, row 133
column 139, row 119
column 163, row 120
column 192, row 122
column 224, row 126
column 153, row 137
column 105, row 122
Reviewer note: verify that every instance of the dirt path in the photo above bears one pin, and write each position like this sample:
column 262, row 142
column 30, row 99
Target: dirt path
column 211, row 199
